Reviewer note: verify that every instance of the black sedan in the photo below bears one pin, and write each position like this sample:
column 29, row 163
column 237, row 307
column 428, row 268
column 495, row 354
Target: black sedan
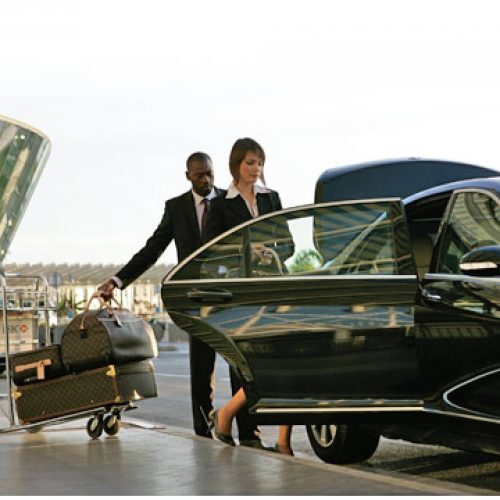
column 363, row 318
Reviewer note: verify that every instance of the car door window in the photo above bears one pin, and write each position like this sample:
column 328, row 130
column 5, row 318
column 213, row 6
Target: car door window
column 328, row 239
column 473, row 222
column 424, row 219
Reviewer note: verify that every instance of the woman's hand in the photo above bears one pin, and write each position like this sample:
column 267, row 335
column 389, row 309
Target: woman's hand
column 261, row 254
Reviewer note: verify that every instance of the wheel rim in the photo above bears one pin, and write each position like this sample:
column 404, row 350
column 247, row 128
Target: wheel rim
column 95, row 427
column 324, row 435
column 111, row 422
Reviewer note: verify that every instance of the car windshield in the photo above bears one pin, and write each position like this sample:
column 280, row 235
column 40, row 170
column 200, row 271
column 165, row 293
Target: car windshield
column 474, row 222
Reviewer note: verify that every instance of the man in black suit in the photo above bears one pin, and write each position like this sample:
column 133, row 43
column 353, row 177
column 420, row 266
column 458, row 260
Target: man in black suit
column 183, row 221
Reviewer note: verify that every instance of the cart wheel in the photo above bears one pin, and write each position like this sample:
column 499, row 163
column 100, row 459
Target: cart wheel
column 112, row 424
column 94, row 427
column 34, row 429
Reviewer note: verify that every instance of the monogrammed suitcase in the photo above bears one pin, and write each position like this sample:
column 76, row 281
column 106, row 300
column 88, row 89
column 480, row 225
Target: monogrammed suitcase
column 101, row 387
column 37, row 365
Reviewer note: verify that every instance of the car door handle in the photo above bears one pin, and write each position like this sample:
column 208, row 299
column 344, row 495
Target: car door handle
column 210, row 296
column 434, row 297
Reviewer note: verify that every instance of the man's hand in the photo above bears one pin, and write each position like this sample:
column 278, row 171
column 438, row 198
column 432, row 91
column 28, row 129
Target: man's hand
column 107, row 289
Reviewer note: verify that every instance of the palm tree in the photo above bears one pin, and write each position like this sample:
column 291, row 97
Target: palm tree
column 306, row 260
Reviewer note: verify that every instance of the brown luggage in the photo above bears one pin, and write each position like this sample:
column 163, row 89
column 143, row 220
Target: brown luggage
column 34, row 366
column 103, row 387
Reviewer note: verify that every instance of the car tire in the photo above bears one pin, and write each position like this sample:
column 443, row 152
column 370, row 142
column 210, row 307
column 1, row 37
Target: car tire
column 342, row 444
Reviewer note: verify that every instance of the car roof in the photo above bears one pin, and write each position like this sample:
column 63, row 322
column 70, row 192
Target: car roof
column 488, row 183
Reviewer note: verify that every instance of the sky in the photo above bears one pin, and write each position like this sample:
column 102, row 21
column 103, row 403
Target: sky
column 126, row 90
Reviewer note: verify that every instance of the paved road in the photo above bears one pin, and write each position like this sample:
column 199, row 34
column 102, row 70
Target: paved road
column 173, row 408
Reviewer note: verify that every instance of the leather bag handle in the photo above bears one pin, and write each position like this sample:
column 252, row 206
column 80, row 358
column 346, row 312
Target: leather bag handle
column 39, row 365
column 103, row 305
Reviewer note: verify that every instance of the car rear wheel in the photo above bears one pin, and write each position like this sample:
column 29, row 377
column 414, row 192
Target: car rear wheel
column 342, row 444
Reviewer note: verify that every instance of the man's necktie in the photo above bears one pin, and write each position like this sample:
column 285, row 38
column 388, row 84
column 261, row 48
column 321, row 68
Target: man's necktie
column 204, row 217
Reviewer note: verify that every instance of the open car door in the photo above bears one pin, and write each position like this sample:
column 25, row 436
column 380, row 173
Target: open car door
column 314, row 307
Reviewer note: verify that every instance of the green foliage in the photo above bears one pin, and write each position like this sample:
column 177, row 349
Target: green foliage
column 305, row 260
column 68, row 306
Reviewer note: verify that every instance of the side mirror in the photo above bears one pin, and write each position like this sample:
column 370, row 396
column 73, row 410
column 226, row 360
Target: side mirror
column 482, row 261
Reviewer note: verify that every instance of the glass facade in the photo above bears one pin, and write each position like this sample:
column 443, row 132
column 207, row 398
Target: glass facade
column 23, row 154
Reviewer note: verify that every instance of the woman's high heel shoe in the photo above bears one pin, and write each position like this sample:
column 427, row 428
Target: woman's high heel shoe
column 279, row 449
column 225, row 438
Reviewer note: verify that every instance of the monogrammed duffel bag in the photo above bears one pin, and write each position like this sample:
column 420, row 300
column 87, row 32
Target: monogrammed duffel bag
column 104, row 336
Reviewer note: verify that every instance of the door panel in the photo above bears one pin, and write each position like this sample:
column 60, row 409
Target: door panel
column 457, row 333
column 327, row 316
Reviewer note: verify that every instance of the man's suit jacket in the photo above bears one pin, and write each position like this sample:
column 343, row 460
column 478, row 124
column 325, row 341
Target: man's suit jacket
column 179, row 223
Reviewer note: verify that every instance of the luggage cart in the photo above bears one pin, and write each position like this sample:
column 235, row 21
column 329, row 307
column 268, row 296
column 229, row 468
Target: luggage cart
column 102, row 419
column 24, row 300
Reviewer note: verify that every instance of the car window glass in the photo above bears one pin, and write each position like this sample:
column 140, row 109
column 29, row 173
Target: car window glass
column 424, row 219
column 473, row 222
column 362, row 239
column 223, row 259
column 345, row 239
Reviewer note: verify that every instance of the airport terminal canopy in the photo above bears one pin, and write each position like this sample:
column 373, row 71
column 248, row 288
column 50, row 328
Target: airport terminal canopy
column 23, row 154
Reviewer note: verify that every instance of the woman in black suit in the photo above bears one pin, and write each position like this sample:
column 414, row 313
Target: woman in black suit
column 244, row 200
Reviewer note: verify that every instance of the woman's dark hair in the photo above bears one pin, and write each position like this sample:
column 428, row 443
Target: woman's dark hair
column 238, row 152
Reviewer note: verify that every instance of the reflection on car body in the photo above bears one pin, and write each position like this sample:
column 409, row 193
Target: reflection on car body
column 371, row 325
